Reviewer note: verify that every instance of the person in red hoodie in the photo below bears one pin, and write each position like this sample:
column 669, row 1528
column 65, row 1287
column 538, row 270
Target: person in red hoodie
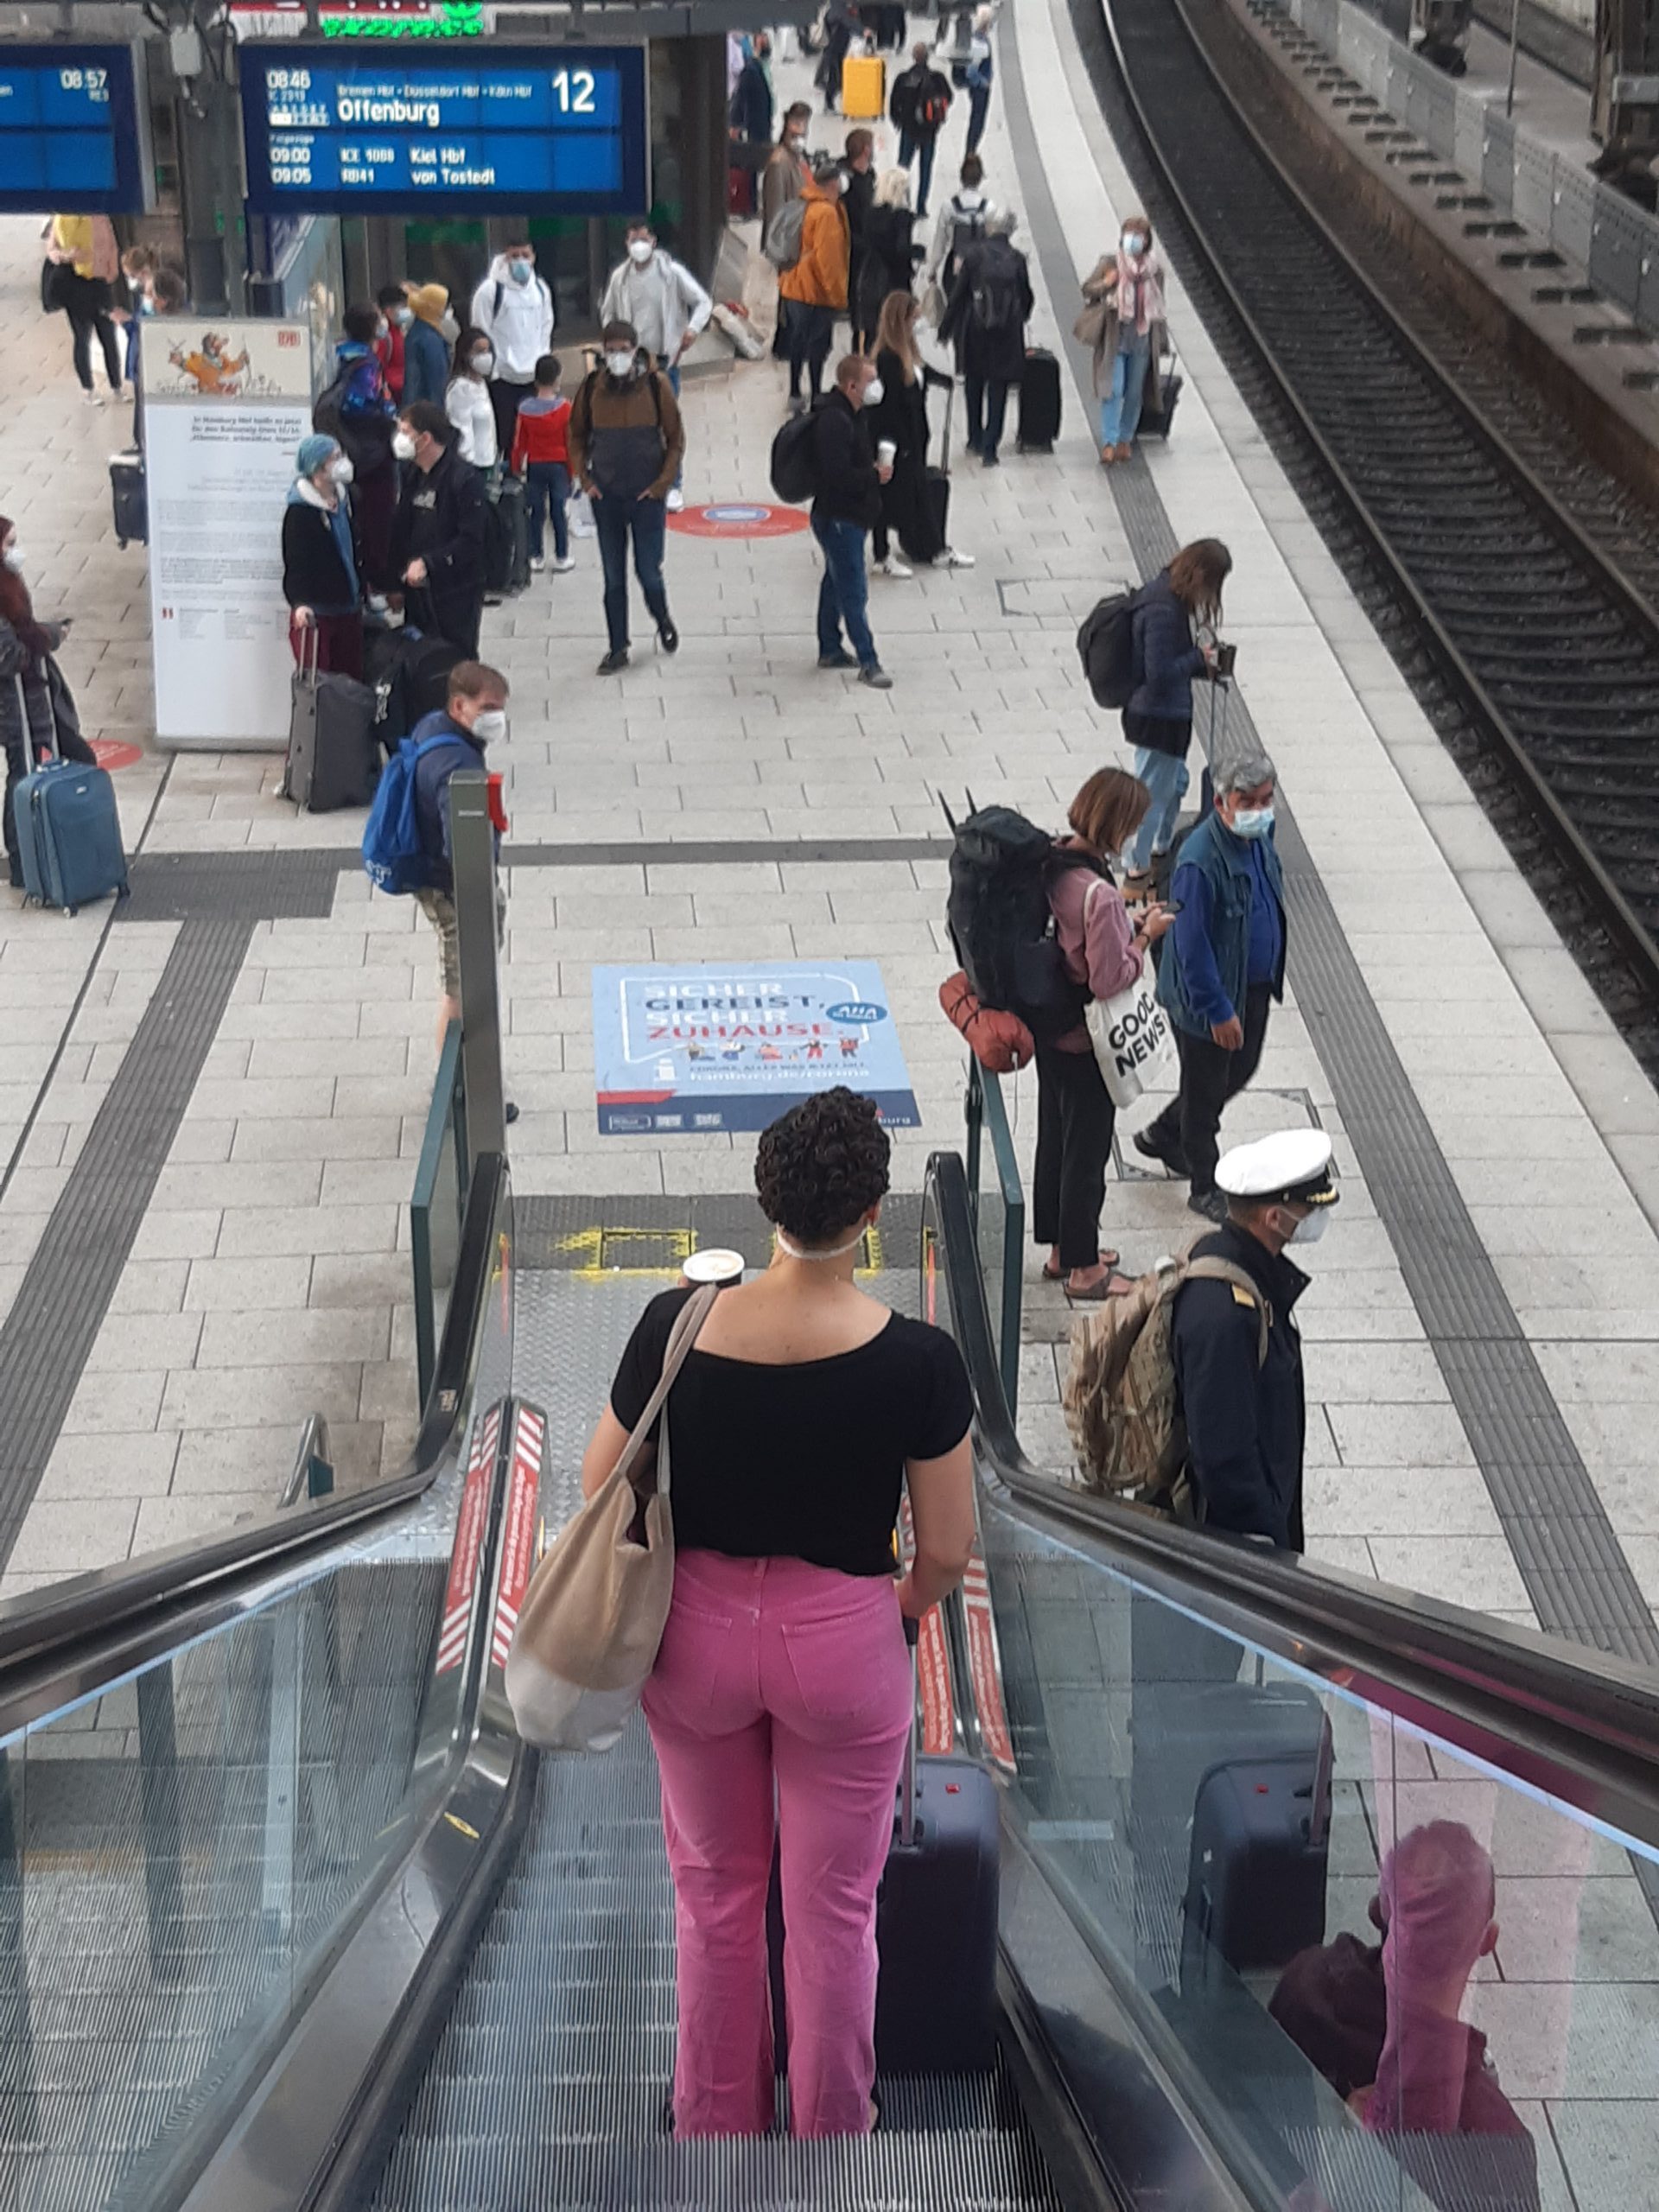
column 396, row 316
column 541, row 454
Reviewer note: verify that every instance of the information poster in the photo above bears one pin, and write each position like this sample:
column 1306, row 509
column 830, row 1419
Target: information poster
column 225, row 405
column 687, row 1049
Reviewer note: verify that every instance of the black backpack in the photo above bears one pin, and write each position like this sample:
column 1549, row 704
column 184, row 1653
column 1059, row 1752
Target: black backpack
column 1106, row 648
column 967, row 225
column 1001, row 925
column 795, row 457
column 997, row 303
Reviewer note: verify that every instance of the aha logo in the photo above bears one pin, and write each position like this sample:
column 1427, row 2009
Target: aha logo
column 860, row 1010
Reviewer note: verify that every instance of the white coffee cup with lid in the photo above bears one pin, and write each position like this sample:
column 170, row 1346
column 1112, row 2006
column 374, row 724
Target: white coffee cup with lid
column 716, row 1266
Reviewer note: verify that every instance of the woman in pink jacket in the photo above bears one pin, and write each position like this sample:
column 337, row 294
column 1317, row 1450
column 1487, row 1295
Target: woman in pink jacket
column 1104, row 951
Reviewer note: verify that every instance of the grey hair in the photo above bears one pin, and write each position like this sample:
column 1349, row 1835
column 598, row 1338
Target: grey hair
column 893, row 188
column 1244, row 773
column 1002, row 223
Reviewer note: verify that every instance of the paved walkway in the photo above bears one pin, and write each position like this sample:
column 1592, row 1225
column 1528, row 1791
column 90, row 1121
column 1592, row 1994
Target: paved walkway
column 268, row 1273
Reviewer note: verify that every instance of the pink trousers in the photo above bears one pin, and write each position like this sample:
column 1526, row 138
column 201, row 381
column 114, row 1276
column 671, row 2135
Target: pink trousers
column 779, row 1708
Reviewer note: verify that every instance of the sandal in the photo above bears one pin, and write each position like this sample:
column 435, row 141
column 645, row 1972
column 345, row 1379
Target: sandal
column 1107, row 1260
column 1111, row 1285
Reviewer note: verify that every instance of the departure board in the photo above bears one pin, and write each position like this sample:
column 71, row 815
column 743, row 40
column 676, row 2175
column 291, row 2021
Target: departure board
column 547, row 130
column 71, row 134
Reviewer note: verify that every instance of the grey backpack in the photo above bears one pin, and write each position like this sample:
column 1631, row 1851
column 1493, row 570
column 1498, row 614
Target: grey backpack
column 782, row 243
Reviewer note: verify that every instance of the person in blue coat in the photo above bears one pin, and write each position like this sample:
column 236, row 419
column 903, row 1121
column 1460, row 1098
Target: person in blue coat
column 427, row 344
column 1223, row 964
column 1173, row 624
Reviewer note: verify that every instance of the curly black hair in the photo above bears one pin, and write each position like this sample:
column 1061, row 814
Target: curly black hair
column 822, row 1165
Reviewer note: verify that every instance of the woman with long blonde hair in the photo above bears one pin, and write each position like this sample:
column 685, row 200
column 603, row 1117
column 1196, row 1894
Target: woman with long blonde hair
column 912, row 508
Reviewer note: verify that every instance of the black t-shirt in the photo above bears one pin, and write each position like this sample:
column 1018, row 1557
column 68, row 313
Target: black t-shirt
column 802, row 1462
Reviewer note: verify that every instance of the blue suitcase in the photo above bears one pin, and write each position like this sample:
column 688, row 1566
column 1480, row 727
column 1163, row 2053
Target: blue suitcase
column 69, row 835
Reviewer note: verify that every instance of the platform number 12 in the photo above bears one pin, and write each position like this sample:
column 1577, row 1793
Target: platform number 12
column 575, row 90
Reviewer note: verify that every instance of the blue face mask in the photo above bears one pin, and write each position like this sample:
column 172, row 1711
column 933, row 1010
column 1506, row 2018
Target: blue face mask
column 1252, row 822
column 520, row 271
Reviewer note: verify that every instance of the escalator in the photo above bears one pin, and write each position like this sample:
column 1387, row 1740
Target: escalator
column 288, row 1918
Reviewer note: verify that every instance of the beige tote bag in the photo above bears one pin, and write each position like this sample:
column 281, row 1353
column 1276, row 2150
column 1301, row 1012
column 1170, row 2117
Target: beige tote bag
column 593, row 1615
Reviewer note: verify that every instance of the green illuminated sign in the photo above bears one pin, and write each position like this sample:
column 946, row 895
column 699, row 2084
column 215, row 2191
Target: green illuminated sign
column 449, row 19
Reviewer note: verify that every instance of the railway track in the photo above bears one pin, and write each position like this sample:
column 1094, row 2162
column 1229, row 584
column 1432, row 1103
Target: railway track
column 1533, row 649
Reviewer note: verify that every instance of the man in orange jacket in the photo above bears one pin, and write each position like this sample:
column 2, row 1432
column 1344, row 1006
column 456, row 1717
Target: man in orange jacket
column 814, row 292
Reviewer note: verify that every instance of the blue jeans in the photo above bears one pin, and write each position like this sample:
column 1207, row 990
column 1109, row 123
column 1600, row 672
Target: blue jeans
column 672, row 371
column 845, row 592
column 911, row 144
column 647, row 520
column 1119, row 411
column 979, row 98
column 988, row 409
column 1167, row 778
column 547, row 486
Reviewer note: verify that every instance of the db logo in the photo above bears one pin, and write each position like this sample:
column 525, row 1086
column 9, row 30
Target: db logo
column 289, row 338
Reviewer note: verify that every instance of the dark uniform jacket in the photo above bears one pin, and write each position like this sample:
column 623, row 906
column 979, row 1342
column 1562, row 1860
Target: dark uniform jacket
column 442, row 520
column 1246, row 1425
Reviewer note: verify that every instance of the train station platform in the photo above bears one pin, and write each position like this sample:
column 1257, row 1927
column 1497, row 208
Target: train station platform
column 212, row 1098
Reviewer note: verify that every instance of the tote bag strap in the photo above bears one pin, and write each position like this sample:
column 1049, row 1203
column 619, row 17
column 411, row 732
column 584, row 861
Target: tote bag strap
column 689, row 1321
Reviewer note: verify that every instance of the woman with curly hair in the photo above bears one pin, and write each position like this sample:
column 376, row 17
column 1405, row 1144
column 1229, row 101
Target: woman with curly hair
column 781, row 1699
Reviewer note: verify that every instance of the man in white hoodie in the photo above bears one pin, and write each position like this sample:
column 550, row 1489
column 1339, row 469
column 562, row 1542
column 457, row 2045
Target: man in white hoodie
column 665, row 304
column 513, row 307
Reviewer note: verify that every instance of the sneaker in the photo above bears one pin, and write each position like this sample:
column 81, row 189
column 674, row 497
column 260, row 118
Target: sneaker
column 893, row 566
column 669, row 635
column 563, row 567
column 951, row 559
column 676, row 501
column 1210, row 1204
column 537, row 563
column 613, row 663
column 580, row 527
column 988, row 459
column 89, row 399
column 1166, row 1153
column 876, row 676
column 375, row 601
column 839, row 659
column 797, row 404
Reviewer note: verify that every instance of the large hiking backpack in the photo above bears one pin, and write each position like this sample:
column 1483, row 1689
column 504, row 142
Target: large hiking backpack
column 1106, row 648
column 392, row 852
column 1000, row 921
column 795, row 458
column 782, row 243
column 1120, row 1404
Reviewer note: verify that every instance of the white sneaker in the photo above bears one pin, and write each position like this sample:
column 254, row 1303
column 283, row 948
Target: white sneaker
column 563, row 567
column 537, row 564
column 89, row 399
column 676, row 501
column 951, row 559
column 893, row 566
column 580, row 527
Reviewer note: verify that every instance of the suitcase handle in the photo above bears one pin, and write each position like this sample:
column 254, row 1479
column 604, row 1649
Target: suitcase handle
column 908, row 1779
column 310, row 640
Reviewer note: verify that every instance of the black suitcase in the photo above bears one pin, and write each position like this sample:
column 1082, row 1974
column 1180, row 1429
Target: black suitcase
column 518, row 528
column 936, row 1917
column 409, row 673
column 1257, row 1862
column 936, row 488
column 333, row 749
column 129, row 498
column 1162, row 396
column 1040, row 402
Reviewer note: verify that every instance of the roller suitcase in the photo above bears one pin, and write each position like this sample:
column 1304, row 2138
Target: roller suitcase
column 936, row 487
column 506, row 544
column 936, row 1916
column 333, row 749
column 1040, row 402
column 69, row 835
column 409, row 672
column 1162, row 395
column 863, row 87
column 130, row 499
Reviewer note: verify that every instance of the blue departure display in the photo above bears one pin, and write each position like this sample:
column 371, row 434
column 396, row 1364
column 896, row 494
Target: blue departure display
column 539, row 128
column 70, row 134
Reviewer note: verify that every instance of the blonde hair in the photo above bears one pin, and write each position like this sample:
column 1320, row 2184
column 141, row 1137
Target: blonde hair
column 893, row 188
column 895, row 332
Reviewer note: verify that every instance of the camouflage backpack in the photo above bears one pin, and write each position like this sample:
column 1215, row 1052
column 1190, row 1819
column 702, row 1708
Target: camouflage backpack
column 1120, row 1397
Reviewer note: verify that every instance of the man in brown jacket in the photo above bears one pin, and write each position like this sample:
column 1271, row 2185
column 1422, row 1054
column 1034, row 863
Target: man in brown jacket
column 627, row 445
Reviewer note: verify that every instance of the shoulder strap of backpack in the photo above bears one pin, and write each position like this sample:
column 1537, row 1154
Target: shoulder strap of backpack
column 500, row 289
column 1213, row 1270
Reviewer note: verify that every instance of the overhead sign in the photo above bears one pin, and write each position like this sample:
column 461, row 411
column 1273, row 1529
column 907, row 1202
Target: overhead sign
column 378, row 19
column 681, row 1050
column 72, row 133
column 544, row 129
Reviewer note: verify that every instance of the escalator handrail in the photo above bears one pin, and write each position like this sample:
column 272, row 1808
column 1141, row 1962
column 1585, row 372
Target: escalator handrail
column 44, row 1626
column 1583, row 1713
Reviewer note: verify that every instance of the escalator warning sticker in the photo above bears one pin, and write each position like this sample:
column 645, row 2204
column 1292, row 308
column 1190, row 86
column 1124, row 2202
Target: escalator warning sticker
column 518, row 1527
column 470, row 1538
column 984, row 1663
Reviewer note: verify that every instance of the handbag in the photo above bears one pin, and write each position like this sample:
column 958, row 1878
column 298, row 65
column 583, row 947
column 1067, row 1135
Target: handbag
column 1134, row 1045
column 593, row 1617
column 1089, row 328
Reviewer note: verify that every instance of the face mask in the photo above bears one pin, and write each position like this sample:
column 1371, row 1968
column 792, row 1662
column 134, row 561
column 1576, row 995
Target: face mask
column 844, row 181
column 13, row 557
column 1252, row 822
column 490, row 725
column 520, row 271
column 1310, row 1230
column 402, row 317
column 874, row 392
column 1134, row 243
column 483, row 364
column 798, row 139
column 402, row 445
column 640, row 250
column 146, row 305
column 341, row 470
column 619, row 365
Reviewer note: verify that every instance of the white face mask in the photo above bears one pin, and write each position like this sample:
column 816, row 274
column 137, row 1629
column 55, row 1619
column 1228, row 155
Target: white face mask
column 619, row 365
column 483, row 364
column 340, row 468
column 14, row 558
column 1310, row 1230
column 798, row 139
column 402, row 445
column 490, row 725
column 874, row 392
column 640, row 250
column 1134, row 243
column 402, row 317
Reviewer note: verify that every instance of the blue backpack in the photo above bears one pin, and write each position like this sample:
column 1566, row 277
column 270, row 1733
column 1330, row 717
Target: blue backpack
column 392, row 852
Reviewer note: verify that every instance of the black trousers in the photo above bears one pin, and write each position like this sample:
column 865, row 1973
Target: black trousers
column 87, row 301
column 1209, row 1076
column 1075, row 1118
